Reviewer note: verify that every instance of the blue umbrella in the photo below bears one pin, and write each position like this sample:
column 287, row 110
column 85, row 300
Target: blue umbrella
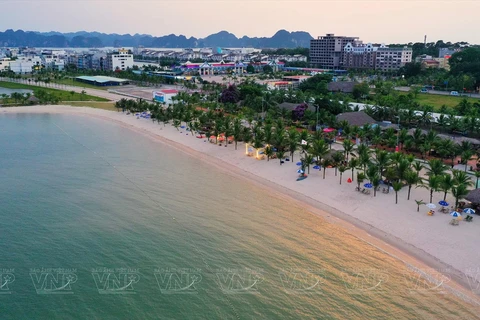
column 183, row 127
column 469, row 211
column 368, row 185
column 300, row 171
column 443, row 203
column 316, row 167
column 455, row 214
column 299, row 163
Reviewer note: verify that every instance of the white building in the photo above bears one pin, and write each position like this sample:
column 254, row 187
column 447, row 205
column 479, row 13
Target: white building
column 5, row 64
column 120, row 60
column 389, row 59
column 25, row 65
column 164, row 96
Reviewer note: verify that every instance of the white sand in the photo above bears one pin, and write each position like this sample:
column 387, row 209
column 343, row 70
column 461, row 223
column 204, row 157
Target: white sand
column 429, row 239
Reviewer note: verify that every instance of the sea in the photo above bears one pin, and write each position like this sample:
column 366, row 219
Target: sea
column 100, row 222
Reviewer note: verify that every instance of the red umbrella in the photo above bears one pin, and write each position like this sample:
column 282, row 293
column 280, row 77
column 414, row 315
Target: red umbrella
column 327, row 130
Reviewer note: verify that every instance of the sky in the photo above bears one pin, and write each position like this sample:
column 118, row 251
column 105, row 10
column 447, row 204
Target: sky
column 380, row 21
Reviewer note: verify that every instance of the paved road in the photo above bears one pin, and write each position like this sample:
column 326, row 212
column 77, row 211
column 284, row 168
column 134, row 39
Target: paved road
column 93, row 92
column 443, row 93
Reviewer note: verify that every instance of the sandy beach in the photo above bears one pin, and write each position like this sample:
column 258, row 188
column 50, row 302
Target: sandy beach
column 428, row 243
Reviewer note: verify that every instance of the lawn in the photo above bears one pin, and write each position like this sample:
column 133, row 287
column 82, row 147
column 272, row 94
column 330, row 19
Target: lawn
column 61, row 94
column 92, row 104
column 437, row 100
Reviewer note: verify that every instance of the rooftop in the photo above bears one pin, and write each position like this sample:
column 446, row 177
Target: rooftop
column 101, row 79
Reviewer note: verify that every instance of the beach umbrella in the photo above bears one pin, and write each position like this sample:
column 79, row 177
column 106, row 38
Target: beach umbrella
column 327, row 130
column 431, row 206
column 183, row 127
column 298, row 163
column 443, row 203
column 455, row 214
column 469, row 211
column 368, row 185
column 316, row 167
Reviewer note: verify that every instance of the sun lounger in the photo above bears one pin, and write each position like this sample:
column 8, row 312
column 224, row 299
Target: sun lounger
column 468, row 218
column 454, row 222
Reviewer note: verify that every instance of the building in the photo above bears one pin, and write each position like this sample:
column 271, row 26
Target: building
column 341, row 86
column 121, row 60
column 102, row 80
column 442, row 52
column 360, row 56
column 24, row 65
column 295, row 80
column 164, row 96
column 392, row 59
column 5, row 64
column 327, row 51
column 430, row 64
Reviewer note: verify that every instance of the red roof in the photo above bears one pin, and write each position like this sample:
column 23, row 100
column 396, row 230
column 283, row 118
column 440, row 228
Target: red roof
column 168, row 91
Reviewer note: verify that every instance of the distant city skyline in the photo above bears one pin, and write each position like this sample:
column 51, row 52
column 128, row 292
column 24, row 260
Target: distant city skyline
column 372, row 21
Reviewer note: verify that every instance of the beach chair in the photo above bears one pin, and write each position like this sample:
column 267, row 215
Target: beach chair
column 468, row 218
column 363, row 190
column 454, row 222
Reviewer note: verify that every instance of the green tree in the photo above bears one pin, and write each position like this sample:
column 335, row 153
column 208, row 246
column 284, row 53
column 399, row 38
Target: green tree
column 341, row 169
column 412, row 178
column 397, row 186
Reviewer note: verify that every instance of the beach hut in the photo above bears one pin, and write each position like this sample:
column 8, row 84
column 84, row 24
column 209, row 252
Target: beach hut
column 251, row 151
column 473, row 196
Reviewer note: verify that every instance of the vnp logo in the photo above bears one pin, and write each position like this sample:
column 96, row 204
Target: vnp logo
column 236, row 281
column 6, row 278
column 116, row 281
column 178, row 280
column 364, row 281
column 53, row 280
column 301, row 281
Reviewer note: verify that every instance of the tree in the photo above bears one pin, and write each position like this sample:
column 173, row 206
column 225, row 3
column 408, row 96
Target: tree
column 341, row 169
column 397, row 186
column 411, row 178
column 325, row 164
column 307, row 160
column 360, row 178
column 267, row 69
column 347, row 148
column 433, row 184
column 459, row 192
column 280, row 156
column 353, row 164
column 446, row 184
column 250, row 69
column 337, row 158
column 361, row 90
column 292, row 141
column 237, row 131
column 477, row 175
column 419, row 203
column 82, row 94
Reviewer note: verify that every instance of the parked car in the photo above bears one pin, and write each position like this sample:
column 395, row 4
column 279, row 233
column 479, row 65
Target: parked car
column 424, row 90
column 454, row 93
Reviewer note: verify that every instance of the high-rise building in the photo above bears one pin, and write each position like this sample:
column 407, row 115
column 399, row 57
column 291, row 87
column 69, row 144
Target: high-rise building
column 327, row 51
column 121, row 60
column 390, row 59
column 359, row 57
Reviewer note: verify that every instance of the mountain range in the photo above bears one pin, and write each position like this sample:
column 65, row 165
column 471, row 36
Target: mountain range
column 84, row 39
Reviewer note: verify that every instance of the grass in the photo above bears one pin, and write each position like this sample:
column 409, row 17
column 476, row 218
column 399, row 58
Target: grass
column 61, row 94
column 91, row 104
column 437, row 100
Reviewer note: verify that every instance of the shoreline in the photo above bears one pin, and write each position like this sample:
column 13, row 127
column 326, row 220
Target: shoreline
column 411, row 255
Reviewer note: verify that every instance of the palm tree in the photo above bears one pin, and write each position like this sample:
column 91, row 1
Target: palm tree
column 446, row 184
column 353, row 164
column 382, row 159
column 466, row 156
column 325, row 164
column 237, row 131
column 348, row 148
column 436, row 167
column 341, row 169
column 461, row 177
column 307, row 160
column 459, row 192
column 269, row 152
column 280, row 156
column 419, row 203
column 417, row 166
column 337, row 158
column 292, row 141
column 433, row 184
column 360, row 178
column 412, row 178
column 397, row 186
column 319, row 149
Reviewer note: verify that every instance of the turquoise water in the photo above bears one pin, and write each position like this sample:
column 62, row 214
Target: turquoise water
column 98, row 222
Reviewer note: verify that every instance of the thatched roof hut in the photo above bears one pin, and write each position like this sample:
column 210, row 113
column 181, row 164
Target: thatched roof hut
column 473, row 196
column 358, row 119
